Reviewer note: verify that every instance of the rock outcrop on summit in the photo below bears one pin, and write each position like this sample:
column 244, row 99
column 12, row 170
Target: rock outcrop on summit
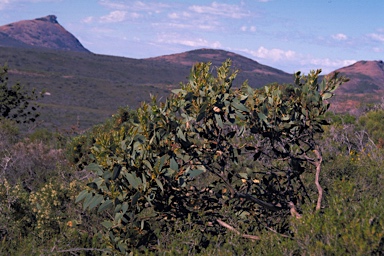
column 43, row 32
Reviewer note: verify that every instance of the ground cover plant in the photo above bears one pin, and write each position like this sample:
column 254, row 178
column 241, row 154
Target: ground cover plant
column 212, row 170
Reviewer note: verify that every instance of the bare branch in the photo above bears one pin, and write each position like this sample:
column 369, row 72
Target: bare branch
column 318, row 170
column 259, row 202
column 293, row 210
column 72, row 250
column 226, row 225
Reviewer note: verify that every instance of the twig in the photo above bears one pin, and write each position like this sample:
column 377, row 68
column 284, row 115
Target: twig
column 222, row 223
column 274, row 231
column 259, row 202
column 318, row 170
column 82, row 249
column 293, row 210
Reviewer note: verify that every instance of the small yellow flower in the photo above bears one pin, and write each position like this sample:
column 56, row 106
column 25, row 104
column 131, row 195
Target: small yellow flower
column 69, row 224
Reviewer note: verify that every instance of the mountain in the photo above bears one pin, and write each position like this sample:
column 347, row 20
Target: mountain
column 256, row 73
column 366, row 86
column 365, row 77
column 43, row 32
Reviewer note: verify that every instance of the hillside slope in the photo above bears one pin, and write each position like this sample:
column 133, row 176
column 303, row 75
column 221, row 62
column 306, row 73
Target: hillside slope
column 366, row 86
column 86, row 88
column 365, row 77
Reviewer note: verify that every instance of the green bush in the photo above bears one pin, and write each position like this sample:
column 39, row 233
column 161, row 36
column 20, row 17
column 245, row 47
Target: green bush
column 352, row 221
column 372, row 122
column 208, row 147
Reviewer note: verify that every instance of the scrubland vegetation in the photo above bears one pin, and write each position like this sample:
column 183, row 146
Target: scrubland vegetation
column 213, row 170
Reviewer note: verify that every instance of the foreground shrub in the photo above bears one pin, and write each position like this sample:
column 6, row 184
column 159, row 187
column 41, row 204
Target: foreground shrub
column 209, row 148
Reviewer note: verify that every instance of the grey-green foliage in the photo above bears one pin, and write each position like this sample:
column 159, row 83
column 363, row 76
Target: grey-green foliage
column 209, row 147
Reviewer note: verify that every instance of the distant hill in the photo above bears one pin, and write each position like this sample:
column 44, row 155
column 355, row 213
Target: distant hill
column 366, row 86
column 85, row 88
column 365, row 77
column 43, row 32
column 256, row 73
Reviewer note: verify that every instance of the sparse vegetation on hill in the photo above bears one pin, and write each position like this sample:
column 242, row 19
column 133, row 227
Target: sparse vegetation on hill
column 86, row 88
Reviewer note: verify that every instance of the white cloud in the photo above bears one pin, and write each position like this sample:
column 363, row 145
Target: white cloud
column 115, row 16
column 218, row 9
column 195, row 42
column 4, row 4
column 8, row 3
column 272, row 54
column 329, row 63
column 173, row 15
column 112, row 5
column 340, row 37
column 135, row 6
column 377, row 37
column 192, row 26
column 245, row 29
column 88, row 19
column 290, row 61
column 181, row 15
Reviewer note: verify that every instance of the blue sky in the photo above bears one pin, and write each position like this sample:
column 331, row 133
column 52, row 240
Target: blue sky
column 290, row 35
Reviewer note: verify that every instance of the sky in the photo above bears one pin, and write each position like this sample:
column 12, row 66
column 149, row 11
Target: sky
column 291, row 35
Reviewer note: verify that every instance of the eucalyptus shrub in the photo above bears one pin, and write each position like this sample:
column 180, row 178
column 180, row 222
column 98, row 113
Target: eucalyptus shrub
column 210, row 155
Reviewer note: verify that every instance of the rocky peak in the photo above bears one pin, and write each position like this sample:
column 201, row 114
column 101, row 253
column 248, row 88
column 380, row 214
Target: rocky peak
column 45, row 32
column 49, row 18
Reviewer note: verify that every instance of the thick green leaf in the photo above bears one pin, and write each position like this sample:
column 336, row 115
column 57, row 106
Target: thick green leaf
column 262, row 117
column 133, row 180
column 94, row 167
column 218, row 120
column 177, row 91
column 158, row 182
column 195, row 172
column 327, row 95
column 173, row 164
column 243, row 175
column 116, row 171
column 148, row 164
column 200, row 116
column 180, row 135
column 87, row 200
column 135, row 198
column 181, row 181
column 105, row 205
column 240, row 106
column 81, row 196
column 95, row 201
column 124, row 207
column 140, row 138
column 107, row 224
